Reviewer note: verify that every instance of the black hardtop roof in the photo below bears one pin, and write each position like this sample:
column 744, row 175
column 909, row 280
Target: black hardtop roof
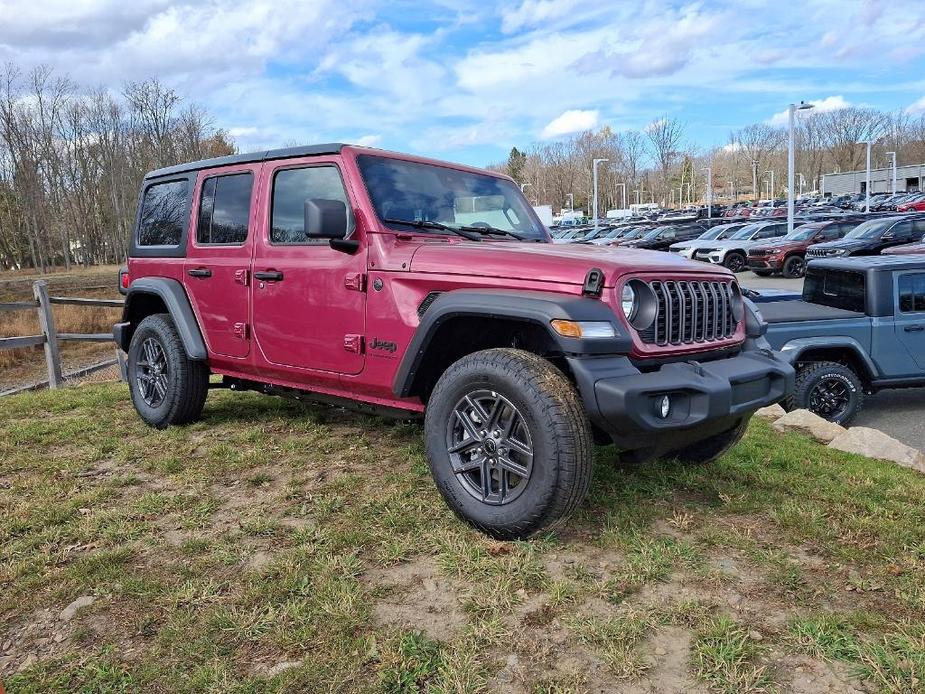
column 871, row 263
column 264, row 155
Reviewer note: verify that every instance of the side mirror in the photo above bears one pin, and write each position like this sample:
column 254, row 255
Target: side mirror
column 325, row 219
column 887, row 235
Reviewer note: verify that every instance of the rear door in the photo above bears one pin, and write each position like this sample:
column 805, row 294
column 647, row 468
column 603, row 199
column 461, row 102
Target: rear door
column 910, row 314
column 216, row 271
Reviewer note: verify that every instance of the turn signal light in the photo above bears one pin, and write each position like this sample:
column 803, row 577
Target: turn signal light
column 583, row 329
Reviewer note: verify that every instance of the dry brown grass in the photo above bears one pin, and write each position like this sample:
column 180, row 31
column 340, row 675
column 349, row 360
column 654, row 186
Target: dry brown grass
column 95, row 283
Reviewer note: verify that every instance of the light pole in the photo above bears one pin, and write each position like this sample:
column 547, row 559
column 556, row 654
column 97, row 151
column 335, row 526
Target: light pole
column 892, row 156
column 791, row 112
column 802, row 183
column 636, row 193
column 732, row 191
column 755, row 180
column 771, row 186
column 709, row 195
column 867, row 184
column 594, row 164
column 571, row 201
column 623, row 190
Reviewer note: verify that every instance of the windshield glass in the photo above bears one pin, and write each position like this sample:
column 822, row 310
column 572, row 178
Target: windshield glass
column 868, row 230
column 744, row 232
column 803, row 233
column 416, row 192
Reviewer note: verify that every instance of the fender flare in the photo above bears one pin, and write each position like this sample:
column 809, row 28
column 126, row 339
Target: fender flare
column 171, row 292
column 534, row 307
column 794, row 349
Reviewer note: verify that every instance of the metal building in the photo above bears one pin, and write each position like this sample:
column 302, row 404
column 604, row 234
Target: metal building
column 881, row 180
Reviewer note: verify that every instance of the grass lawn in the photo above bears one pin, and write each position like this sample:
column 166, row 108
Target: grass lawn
column 276, row 546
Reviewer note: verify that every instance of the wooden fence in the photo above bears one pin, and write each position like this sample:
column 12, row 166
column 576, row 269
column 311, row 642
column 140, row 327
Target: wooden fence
column 50, row 337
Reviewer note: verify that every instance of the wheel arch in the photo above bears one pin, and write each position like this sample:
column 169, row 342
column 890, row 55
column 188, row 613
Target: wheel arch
column 149, row 295
column 846, row 350
column 460, row 322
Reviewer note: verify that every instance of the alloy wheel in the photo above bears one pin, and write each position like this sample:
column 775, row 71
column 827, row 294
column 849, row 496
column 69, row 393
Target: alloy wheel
column 830, row 398
column 490, row 447
column 152, row 372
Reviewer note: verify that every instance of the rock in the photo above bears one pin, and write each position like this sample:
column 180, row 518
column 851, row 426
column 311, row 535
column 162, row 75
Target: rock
column 505, row 676
column 282, row 667
column 59, row 637
column 28, row 662
column 513, row 661
column 68, row 612
column 755, row 635
column 771, row 412
column 876, row 444
column 811, row 424
column 659, row 650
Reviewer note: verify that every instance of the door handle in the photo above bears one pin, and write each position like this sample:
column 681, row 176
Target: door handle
column 914, row 328
column 199, row 272
column 269, row 276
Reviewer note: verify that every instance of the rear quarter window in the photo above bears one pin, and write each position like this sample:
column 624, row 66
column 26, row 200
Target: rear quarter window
column 836, row 288
column 162, row 216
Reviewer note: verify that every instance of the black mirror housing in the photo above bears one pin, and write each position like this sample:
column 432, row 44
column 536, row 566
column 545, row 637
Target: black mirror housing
column 325, row 219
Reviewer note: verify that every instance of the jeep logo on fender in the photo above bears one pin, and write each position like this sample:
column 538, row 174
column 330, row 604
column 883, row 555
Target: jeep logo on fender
column 383, row 345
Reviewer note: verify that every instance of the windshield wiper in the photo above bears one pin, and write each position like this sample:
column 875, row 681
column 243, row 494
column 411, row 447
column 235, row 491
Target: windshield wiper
column 426, row 224
column 491, row 230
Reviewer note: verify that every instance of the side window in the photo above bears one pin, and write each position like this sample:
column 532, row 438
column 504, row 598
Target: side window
column 291, row 188
column 162, row 214
column 224, row 209
column 912, row 292
column 918, row 228
column 901, row 230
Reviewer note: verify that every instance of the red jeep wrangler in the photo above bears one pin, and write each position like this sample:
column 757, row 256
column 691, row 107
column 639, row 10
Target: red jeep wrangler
column 385, row 281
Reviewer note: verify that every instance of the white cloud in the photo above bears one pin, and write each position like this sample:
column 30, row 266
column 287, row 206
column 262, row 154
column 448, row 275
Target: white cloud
column 917, row 107
column 530, row 13
column 368, row 140
column 573, row 121
column 829, row 103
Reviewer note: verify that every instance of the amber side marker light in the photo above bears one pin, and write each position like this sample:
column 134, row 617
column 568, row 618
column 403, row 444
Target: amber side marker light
column 588, row 329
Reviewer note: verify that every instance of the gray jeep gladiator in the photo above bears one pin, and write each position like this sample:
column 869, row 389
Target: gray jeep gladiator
column 859, row 328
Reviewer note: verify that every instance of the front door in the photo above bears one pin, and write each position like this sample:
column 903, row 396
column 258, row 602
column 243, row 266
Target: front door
column 309, row 304
column 910, row 315
column 219, row 255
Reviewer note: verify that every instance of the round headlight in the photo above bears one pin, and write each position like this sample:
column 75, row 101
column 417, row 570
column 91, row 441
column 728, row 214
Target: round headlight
column 628, row 301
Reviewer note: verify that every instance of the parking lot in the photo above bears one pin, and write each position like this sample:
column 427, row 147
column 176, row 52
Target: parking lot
column 900, row 413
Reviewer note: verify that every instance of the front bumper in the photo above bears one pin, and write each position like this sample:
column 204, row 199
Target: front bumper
column 765, row 262
column 706, row 397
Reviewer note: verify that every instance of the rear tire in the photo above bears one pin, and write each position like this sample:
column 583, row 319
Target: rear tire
column 507, row 478
column 829, row 389
column 167, row 387
column 794, row 267
column 708, row 450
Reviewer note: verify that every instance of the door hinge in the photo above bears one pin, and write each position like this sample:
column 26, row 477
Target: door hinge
column 355, row 281
column 353, row 343
column 240, row 330
column 242, row 277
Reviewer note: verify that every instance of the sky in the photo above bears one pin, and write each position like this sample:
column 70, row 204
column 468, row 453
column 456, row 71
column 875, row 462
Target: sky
column 466, row 80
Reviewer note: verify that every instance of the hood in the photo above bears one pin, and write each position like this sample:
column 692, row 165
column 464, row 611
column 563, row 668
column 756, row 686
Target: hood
column 845, row 243
column 548, row 262
column 729, row 243
column 777, row 243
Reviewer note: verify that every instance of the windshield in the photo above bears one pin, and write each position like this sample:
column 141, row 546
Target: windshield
column 804, row 233
column 722, row 231
column 744, row 232
column 868, row 230
column 416, row 192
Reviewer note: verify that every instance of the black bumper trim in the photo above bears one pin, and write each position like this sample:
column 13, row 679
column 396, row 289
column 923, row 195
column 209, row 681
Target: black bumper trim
column 620, row 399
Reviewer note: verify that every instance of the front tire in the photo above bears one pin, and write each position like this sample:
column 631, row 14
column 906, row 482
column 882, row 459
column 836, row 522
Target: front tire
column 709, row 449
column 829, row 389
column 508, row 442
column 167, row 387
column 735, row 261
column 794, row 267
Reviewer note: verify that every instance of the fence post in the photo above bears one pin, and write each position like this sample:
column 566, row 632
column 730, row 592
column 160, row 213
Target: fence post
column 47, row 322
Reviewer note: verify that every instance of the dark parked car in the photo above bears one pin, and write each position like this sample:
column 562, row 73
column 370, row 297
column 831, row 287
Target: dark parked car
column 859, row 328
column 872, row 237
column 787, row 255
column 661, row 238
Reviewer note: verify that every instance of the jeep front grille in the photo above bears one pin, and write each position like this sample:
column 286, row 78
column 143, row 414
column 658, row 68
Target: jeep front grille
column 691, row 312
